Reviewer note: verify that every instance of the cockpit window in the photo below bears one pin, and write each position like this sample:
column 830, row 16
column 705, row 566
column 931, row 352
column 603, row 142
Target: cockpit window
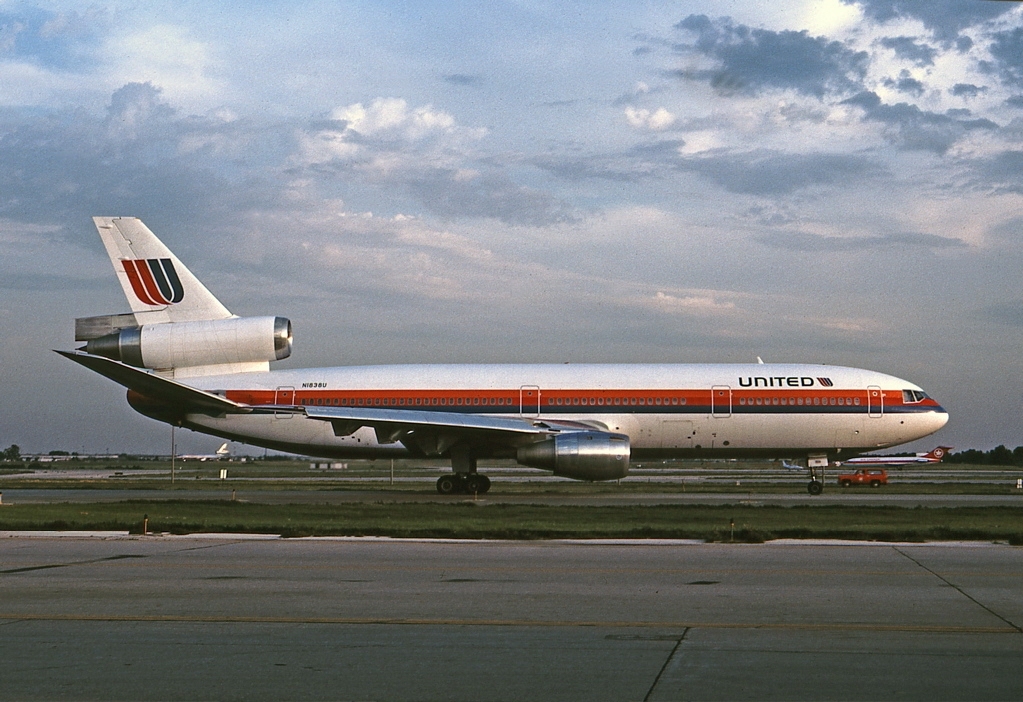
column 912, row 396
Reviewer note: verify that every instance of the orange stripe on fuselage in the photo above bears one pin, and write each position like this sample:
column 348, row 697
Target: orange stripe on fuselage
column 614, row 400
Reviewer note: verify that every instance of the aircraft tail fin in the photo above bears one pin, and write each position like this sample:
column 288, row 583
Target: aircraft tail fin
column 939, row 453
column 159, row 287
column 223, row 451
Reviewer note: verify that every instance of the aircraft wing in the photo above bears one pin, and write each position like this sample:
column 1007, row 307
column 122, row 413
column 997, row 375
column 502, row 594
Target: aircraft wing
column 154, row 386
column 435, row 432
column 417, row 418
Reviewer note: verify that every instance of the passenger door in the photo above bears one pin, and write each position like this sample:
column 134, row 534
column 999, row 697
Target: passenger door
column 875, row 401
column 721, row 401
column 284, row 395
column 529, row 401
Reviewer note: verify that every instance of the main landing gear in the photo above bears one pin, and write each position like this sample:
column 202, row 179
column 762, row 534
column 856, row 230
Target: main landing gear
column 465, row 480
column 463, row 483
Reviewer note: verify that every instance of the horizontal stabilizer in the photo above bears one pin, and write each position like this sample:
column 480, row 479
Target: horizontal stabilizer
column 89, row 328
column 156, row 387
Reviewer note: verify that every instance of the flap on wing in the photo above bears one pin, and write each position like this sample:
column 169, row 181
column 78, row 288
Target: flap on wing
column 155, row 387
column 354, row 417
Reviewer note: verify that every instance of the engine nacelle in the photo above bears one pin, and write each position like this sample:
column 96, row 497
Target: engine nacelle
column 585, row 455
column 189, row 344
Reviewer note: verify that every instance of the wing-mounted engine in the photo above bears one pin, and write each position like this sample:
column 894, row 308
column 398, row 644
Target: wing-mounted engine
column 197, row 348
column 584, row 455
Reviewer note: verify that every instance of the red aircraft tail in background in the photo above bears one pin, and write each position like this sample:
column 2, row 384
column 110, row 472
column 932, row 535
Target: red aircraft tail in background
column 934, row 456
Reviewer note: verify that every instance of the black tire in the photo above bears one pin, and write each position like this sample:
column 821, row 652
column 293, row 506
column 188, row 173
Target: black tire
column 846, row 483
column 474, row 484
column 875, row 483
column 815, row 487
column 485, row 487
column 447, row 485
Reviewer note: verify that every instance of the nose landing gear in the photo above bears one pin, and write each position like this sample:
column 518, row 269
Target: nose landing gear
column 817, row 465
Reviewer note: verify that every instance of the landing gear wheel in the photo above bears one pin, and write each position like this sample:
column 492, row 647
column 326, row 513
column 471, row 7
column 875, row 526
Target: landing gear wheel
column 474, row 484
column 447, row 485
column 815, row 487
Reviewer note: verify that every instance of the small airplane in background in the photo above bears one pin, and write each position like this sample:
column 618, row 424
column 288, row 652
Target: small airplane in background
column 222, row 453
column 934, row 456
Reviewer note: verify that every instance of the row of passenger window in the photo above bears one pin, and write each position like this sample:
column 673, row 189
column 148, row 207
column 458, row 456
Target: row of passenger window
column 616, row 401
column 475, row 401
column 567, row 401
column 851, row 401
column 403, row 402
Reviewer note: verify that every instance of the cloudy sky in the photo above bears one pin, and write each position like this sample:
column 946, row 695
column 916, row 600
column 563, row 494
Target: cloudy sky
column 826, row 181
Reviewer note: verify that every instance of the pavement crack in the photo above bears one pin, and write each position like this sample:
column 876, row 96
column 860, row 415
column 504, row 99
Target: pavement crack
column 204, row 547
column 47, row 566
column 660, row 673
column 958, row 589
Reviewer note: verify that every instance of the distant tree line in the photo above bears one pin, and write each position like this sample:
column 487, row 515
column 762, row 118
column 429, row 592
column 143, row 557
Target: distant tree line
column 13, row 453
column 998, row 456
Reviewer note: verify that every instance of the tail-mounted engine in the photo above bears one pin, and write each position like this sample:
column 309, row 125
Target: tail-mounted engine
column 239, row 340
column 585, row 455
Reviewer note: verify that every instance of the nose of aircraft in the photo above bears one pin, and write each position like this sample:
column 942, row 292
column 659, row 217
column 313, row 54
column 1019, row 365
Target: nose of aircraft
column 930, row 422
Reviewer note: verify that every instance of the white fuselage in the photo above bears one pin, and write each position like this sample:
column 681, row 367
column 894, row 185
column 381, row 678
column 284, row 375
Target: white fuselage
column 682, row 410
column 890, row 461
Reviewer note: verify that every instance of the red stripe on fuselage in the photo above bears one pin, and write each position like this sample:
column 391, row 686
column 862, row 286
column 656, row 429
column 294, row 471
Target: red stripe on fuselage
column 598, row 400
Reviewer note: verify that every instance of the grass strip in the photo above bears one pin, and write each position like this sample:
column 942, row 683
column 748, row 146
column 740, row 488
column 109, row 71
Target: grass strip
column 538, row 487
column 470, row 520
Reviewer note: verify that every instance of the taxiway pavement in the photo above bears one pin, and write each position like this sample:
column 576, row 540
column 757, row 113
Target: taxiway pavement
column 262, row 618
column 835, row 496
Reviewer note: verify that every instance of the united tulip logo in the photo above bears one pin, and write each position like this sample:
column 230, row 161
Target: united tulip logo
column 154, row 280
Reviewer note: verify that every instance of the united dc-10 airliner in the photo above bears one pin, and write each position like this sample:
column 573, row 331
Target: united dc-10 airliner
column 186, row 360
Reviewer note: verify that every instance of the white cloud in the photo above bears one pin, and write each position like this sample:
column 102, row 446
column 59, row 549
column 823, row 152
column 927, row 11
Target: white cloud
column 839, row 324
column 29, row 85
column 827, row 17
column 701, row 303
column 384, row 131
column 656, row 120
column 959, row 215
column 393, row 115
column 166, row 56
